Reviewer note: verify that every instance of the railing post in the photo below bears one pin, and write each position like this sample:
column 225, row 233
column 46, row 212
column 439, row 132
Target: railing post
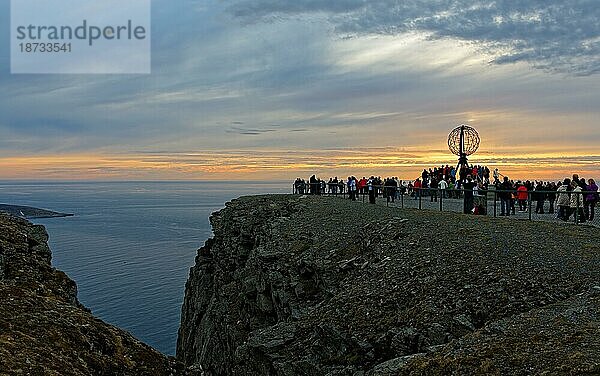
column 420, row 198
column 402, row 199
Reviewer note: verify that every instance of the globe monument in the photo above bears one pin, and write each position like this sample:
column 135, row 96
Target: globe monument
column 463, row 141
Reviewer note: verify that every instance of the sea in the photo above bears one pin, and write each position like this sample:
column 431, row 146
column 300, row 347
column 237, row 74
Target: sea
column 130, row 245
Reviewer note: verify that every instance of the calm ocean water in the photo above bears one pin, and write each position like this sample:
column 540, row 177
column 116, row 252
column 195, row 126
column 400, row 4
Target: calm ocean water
column 130, row 245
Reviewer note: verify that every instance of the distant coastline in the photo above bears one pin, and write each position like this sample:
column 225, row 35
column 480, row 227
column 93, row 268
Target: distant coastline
column 29, row 212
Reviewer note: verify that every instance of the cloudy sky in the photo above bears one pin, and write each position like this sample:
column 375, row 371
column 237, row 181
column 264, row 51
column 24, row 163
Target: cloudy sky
column 252, row 89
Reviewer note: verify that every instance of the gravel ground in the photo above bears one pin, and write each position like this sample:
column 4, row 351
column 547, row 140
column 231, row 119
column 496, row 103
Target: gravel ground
column 456, row 206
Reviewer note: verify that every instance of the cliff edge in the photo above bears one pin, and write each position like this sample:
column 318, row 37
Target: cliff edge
column 44, row 330
column 294, row 285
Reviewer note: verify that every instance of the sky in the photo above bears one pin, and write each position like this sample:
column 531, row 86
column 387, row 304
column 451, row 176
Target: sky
column 272, row 89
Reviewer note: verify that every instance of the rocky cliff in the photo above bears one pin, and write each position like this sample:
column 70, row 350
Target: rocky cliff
column 44, row 330
column 324, row 286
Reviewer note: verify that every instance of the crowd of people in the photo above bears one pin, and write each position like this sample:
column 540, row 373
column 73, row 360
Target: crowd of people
column 571, row 198
column 373, row 186
column 442, row 178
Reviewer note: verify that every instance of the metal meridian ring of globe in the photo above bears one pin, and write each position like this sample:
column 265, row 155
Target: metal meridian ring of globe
column 470, row 141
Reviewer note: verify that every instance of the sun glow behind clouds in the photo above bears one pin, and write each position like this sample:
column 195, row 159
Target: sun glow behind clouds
column 409, row 52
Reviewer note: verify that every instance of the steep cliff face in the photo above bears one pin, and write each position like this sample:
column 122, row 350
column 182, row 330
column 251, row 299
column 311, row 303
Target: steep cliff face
column 323, row 286
column 44, row 330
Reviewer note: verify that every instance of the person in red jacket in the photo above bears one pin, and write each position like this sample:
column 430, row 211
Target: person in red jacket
column 362, row 185
column 417, row 188
column 522, row 196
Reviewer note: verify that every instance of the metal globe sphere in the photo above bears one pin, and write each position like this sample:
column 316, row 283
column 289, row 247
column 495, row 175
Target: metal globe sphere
column 470, row 140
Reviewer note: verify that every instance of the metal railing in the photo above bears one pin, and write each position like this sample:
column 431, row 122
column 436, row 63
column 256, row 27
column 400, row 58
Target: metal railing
column 482, row 202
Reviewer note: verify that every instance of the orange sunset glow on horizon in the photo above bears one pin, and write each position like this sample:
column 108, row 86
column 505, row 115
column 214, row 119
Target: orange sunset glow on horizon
column 281, row 165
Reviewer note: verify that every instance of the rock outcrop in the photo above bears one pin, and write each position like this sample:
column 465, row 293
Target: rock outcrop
column 30, row 212
column 44, row 330
column 324, row 286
